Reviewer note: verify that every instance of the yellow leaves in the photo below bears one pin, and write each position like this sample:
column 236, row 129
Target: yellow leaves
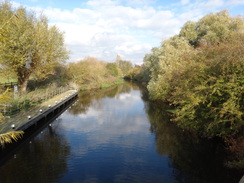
column 91, row 71
column 205, row 84
column 30, row 44
column 1, row 117
column 9, row 137
column 5, row 97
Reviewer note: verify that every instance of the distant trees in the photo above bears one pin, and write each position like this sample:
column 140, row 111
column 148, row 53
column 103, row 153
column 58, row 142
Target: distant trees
column 123, row 65
column 112, row 69
column 92, row 72
column 28, row 44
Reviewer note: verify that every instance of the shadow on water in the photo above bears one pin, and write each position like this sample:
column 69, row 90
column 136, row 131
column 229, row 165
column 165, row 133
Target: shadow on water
column 194, row 159
column 49, row 151
column 190, row 159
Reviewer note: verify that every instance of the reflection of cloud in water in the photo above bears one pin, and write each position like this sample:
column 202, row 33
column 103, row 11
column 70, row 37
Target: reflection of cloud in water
column 113, row 116
column 107, row 121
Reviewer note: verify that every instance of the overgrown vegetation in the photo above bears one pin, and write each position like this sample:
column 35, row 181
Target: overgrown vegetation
column 201, row 73
column 12, row 135
column 93, row 73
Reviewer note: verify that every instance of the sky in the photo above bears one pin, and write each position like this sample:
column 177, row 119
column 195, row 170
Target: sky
column 128, row 28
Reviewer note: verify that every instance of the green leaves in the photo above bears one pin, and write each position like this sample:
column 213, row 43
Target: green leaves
column 28, row 44
column 203, row 79
column 211, row 29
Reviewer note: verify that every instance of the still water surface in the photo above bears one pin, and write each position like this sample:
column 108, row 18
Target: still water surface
column 116, row 135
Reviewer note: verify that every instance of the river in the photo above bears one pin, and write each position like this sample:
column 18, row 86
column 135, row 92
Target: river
column 116, row 135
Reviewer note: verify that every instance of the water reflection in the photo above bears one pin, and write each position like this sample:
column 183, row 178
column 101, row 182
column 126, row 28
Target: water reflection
column 106, row 119
column 194, row 159
column 117, row 135
column 88, row 98
column 42, row 160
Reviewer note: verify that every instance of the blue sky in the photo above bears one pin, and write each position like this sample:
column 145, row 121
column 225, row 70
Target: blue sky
column 129, row 28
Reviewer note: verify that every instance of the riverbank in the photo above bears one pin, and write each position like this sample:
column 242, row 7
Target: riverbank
column 23, row 117
column 114, row 135
column 102, row 85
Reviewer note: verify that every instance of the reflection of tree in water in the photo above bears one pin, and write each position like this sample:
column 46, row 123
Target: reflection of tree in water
column 86, row 98
column 130, row 85
column 48, row 151
column 193, row 159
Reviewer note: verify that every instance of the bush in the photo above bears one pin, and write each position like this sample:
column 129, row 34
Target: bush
column 208, row 90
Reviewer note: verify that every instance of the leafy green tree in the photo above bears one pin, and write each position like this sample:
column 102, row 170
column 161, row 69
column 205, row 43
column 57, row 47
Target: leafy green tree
column 200, row 72
column 211, row 29
column 124, row 66
column 28, row 44
column 189, row 31
column 169, row 57
column 112, row 69
column 208, row 93
column 78, row 72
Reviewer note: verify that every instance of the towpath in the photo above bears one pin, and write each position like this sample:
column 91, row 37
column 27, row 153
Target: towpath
column 24, row 116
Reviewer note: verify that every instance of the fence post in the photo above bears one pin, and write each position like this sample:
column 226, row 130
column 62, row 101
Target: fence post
column 4, row 109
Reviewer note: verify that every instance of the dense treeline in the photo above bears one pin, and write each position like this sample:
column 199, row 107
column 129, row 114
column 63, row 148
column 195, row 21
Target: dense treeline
column 200, row 72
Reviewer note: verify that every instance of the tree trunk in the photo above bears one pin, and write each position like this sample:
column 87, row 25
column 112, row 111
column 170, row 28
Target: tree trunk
column 22, row 82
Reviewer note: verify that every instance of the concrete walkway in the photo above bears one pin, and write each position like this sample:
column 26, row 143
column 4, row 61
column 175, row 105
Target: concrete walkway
column 24, row 116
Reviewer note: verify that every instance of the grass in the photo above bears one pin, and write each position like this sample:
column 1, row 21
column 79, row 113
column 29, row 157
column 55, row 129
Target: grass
column 22, row 117
column 108, row 84
column 6, row 79
column 33, row 98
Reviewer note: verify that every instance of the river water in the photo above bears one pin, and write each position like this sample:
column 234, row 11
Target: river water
column 116, row 135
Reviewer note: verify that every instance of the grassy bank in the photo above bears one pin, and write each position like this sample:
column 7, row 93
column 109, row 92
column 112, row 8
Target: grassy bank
column 107, row 85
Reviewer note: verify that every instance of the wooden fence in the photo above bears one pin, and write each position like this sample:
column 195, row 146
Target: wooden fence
column 8, row 85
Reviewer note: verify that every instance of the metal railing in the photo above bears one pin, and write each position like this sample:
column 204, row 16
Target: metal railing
column 16, row 106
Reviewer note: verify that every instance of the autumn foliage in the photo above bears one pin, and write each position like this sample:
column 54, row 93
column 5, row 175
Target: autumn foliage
column 200, row 72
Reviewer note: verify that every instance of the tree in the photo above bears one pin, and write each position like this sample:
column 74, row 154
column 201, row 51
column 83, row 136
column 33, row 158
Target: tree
column 189, row 31
column 208, row 93
column 211, row 29
column 200, row 73
column 112, row 69
column 117, row 59
column 169, row 58
column 124, row 66
column 28, row 44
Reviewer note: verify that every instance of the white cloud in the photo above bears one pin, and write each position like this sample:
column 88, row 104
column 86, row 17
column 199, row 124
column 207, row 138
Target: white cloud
column 139, row 2
column 130, row 28
column 235, row 2
column 185, row 2
column 101, row 3
column 105, row 29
